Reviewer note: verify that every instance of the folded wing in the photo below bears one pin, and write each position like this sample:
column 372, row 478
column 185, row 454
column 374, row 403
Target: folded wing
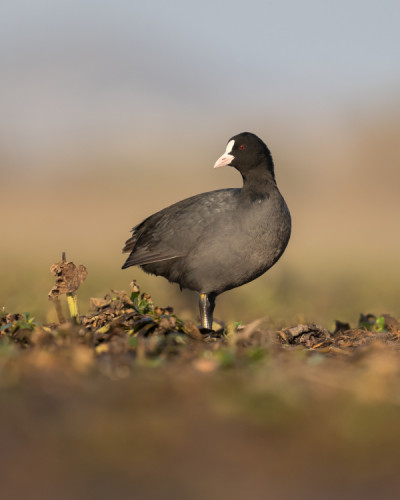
column 172, row 232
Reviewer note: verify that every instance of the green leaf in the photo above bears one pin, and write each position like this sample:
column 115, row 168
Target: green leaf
column 380, row 324
column 134, row 296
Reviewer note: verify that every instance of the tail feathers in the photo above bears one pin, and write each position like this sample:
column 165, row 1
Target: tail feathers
column 129, row 244
column 141, row 258
column 147, row 254
column 127, row 264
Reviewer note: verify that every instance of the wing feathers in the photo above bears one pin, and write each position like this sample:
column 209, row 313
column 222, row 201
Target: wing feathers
column 172, row 232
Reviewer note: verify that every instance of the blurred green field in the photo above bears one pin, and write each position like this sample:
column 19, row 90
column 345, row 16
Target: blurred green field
column 340, row 185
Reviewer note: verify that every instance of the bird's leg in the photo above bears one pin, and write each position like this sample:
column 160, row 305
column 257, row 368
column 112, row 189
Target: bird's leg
column 207, row 304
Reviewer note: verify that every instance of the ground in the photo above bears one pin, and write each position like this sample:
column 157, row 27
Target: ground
column 129, row 401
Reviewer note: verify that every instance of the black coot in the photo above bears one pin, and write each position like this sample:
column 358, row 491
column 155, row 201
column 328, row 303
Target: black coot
column 219, row 240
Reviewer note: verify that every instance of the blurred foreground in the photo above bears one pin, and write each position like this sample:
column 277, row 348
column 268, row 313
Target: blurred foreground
column 131, row 404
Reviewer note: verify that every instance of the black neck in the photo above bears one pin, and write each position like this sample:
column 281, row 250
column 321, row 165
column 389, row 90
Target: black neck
column 258, row 182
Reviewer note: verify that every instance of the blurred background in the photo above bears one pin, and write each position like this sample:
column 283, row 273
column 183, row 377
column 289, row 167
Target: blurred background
column 111, row 111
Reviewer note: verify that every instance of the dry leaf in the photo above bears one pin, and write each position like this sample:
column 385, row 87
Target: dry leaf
column 69, row 277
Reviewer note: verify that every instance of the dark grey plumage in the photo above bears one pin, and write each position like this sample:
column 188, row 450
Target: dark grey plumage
column 216, row 241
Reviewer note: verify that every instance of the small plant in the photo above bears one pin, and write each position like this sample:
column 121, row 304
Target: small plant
column 372, row 323
column 142, row 302
column 14, row 322
column 69, row 278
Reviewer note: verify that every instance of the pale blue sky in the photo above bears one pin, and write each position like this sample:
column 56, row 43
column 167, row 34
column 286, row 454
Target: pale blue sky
column 76, row 65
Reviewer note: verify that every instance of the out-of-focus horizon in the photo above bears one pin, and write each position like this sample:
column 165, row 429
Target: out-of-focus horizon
column 111, row 111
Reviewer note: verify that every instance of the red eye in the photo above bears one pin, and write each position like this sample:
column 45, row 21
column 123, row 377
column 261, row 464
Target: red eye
column 241, row 147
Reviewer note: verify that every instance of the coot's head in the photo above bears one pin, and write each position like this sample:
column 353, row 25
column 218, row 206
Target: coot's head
column 245, row 152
